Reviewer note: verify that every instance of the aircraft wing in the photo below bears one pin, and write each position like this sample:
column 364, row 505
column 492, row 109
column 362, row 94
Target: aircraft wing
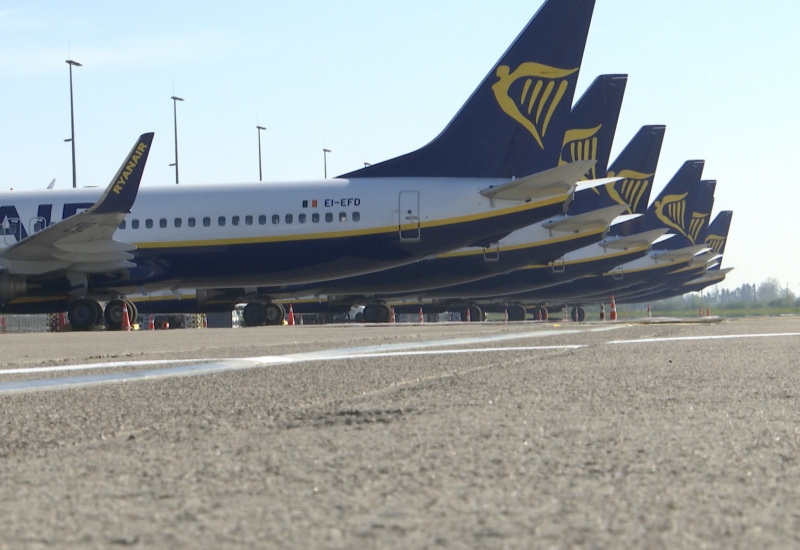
column 589, row 220
column 84, row 242
column 551, row 182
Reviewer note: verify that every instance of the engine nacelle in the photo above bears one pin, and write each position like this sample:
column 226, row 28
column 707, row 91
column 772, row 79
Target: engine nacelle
column 12, row 286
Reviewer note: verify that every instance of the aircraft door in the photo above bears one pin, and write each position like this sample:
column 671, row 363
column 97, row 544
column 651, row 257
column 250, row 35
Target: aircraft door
column 409, row 216
column 11, row 231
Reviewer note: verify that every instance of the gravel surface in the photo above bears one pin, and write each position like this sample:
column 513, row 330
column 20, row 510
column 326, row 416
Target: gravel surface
column 684, row 443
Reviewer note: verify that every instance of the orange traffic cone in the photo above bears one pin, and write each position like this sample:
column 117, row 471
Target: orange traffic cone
column 708, row 312
column 469, row 319
column 602, row 312
column 291, row 316
column 151, row 325
column 505, row 315
column 421, row 316
column 613, row 315
column 392, row 317
column 126, row 320
column 648, row 311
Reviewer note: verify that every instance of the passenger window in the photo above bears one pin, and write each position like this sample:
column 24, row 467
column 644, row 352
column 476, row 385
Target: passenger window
column 262, row 219
column 329, row 217
column 148, row 223
column 288, row 218
column 135, row 224
column 276, row 219
column 342, row 216
column 37, row 228
column 178, row 222
column 162, row 223
column 301, row 218
column 221, row 221
column 248, row 220
column 190, row 222
column 315, row 217
column 235, row 220
column 206, row 222
column 356, row 216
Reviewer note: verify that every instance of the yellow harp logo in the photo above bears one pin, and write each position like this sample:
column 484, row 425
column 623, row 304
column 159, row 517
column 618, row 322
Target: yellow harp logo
column 630, row 190
column 580, row 144
column 530, row 94
column 716, row 243
column 672, row 211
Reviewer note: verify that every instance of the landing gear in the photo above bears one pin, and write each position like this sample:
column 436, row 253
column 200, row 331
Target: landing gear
column 578, row 314
column 84, row 314
column 474, row 313
column 540, row 313
column 377, row 313
column 113, row 313
column 257, row 314
column 516, row 313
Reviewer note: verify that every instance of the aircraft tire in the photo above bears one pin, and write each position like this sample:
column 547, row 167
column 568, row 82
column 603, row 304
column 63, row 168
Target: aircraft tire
column 574, row 314
column 274, row 314
column 133, row 312
column 516, row 313
column 113, row 313
column 581, row 314
column 254, row 314
column 377, row 313
column 475, row 314
column 82, row 314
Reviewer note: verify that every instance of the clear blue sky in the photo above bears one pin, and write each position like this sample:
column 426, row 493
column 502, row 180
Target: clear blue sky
column 372, row 80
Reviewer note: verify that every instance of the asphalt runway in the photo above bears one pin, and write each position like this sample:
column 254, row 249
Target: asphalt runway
column 481, row 435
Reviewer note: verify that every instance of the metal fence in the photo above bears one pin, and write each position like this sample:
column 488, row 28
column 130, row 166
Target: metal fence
column 23, row 323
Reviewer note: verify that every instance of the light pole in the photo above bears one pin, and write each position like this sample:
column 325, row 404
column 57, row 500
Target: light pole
column 175, row 101
column 259, row 151
column 70, row 62
column 325, row 160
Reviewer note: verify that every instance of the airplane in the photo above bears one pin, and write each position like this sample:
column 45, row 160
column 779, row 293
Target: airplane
column 704, row 271
column 589, row 138
column 685, row 213
column 490, row 172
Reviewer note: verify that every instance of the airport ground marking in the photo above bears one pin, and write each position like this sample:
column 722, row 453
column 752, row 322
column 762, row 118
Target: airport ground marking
column 717, row 337
column 211, row 366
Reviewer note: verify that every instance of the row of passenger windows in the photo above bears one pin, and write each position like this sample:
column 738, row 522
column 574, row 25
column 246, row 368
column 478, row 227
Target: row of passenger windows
column 222, row 221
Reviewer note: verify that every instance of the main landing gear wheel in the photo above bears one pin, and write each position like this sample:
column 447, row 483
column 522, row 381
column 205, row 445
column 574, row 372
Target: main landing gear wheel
column 377, row 313
column 84, row 314
column 516, row 313
column 257, row 314
column 113, row 313
column 475, row 314
column 578, row 314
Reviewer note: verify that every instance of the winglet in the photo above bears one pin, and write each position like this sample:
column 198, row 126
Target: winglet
column 121, row 192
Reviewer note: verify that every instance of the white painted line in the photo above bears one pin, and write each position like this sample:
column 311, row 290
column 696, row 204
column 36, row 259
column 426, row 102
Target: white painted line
column 210, row 366
column 719, row 337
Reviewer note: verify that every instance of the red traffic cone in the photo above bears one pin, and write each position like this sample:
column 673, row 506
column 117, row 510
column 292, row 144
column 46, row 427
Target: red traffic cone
column 648, row 311
column 505, row 315
column 151, row 325
column 469, row 319
column 421, row 316
column 392, row 317
column 602, row 312
column 291, row 316
column 613, row 315
column 708, row 312
column 126, row 320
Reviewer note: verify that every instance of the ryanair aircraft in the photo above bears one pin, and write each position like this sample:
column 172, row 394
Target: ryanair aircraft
column 491, row 171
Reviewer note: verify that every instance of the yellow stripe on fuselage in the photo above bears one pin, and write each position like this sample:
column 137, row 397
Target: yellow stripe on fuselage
column 354, row 232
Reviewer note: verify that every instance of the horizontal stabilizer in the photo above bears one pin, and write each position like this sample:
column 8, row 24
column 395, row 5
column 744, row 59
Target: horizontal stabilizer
column 541, row 185
column 595, row 219
column 680, row 254
column 599, row 182
column 639, row 240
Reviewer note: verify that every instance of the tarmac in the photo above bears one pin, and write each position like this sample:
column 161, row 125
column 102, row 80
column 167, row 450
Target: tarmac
column 462, row 435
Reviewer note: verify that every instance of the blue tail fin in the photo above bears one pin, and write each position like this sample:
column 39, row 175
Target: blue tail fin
column 686, row 214
column 514, row 122
column 717, row 234
column 593, row 122
column 637, row 165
